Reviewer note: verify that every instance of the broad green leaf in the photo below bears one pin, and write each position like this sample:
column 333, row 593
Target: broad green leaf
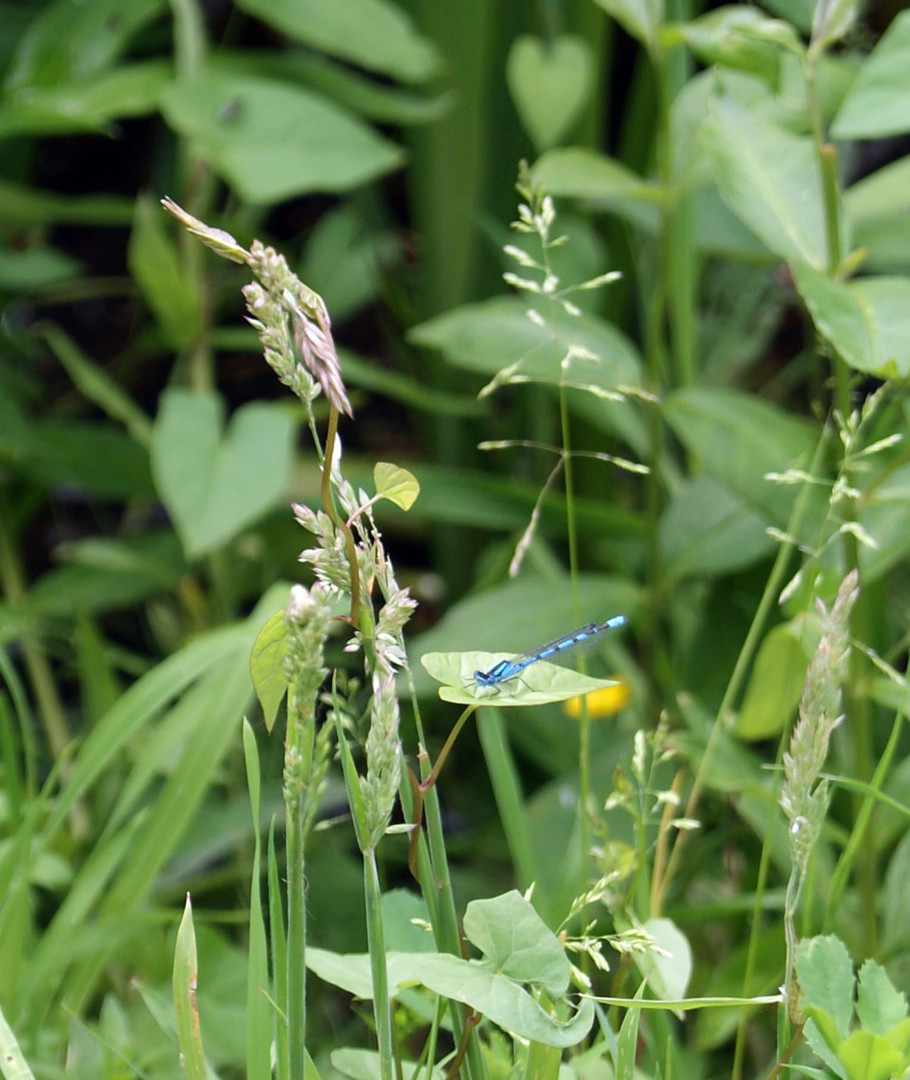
column 374, row 34
column 497, row 334
column 826, row 980
column 878, row 103
column 550, row 83
column 157, row 270
column 739, row 439
column 501, row 1000
column 518, row 943
column 880, row 1008
column 540, row 684
column 769, row 178
column 67, row 42
column 271, row 140
column 640, row 18
column 520, row 615
column 775, row 685
column 797, row 12
column 395, row 484
column 869, row 1057
column 130, row 90
column 707, row 530
column 866, row 320
column 267, row 667
column 214, row 482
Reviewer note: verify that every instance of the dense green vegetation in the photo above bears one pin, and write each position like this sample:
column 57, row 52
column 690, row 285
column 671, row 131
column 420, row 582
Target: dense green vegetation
column 510, row 318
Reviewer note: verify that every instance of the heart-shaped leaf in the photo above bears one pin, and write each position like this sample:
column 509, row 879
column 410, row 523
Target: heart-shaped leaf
column 215, row 483
column 550, row 83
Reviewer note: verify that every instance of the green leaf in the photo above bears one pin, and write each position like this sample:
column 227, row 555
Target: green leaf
column 131, row 90
column 707, row 530
column 35, row 268
column 185, row 969
column 496, row 334
column 98, row 459
column 550, row 83
column 32, row 206
column 518, row 943
column 395, row 484
column 826, row 980
column 639, row 18
column 373, row 34
column 157, row 270
column 93, row 381
column 880, row 1008
column 869, row 1057
column 740, row 38
column 501, row 1000
column 540, row 684
column 270, row 140
column 878, row 102
column 867, row 320
column 667, row 975
column 739, row 439
column 833, row 20
column 576, row 172
column 769, row 178
column 215, row 483
column 67, row 42
column 520, row 615
column 267, row 667
column 775, row 685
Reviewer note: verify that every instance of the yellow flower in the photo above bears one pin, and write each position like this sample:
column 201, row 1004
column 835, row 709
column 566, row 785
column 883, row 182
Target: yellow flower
column 600, row 703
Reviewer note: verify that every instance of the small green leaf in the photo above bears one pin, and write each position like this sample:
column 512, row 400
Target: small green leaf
column 154, row 264
column 880, row 1008
column 550, row 83
column 189, row 1035
column 639, row 18
column 869, row 1057
column 833, row 19
column 514, row 938
column 395, row 484
column 267, row 667
column 667, row 975
column 826, row 980
column 775, row 685
column 867, row 320
column 539, row 684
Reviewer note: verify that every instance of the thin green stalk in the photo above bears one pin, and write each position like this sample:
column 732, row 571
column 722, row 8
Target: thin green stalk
column 769, row 598
column 296, row 930
column 382, row 1003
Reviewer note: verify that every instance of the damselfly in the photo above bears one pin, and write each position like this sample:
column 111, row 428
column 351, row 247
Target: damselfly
column 507, row 670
